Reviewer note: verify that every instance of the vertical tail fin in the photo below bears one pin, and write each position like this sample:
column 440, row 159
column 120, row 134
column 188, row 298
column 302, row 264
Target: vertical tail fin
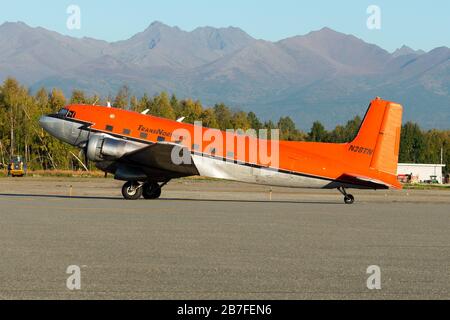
column 377, row 143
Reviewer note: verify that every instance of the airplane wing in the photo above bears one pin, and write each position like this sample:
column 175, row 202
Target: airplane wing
column 158, row 157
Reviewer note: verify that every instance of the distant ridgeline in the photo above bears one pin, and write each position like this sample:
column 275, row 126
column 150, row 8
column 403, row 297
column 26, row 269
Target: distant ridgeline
column 303, row 76
column 19, row 112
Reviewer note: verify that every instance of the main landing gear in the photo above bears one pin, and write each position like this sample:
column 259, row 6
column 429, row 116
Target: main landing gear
column 133, row 190
column 348, row 198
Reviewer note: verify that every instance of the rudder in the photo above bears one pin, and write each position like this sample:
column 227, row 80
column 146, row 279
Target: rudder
column 377, row 143
column 385, row 158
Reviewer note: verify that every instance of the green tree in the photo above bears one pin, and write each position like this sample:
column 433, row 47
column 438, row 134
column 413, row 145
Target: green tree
column 352, row 128
column 160, row 106
column 287, row 128
column 57, row 100
column 435, row 141
column 345, row 133
column 191, row 110
column 412, row 144
column 78, row 97
column 95, row 100
column 338, row 135
column 254, row 121
column 122, row 98
column 240, row 121
column 41, row 98
column 134, row 103
column 318, row 133
column 269, row 125
column 144, row 103
column 223, row 116
column 13, row 97
column 208, row 118
column 175, row 105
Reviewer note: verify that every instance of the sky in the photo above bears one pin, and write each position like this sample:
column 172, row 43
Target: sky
column 418, row 24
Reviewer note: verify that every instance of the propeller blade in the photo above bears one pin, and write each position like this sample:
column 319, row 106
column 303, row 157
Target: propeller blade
column 79, row 160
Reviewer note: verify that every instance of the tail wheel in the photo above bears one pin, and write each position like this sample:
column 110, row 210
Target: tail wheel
column 151, row 190
column 131, row 190
column 349, row 199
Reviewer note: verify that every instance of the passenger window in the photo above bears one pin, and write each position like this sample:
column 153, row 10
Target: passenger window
column 109, row 127
column 127, row 131
column 230, row 154
column 143, row 135
column 195, row 146
column 161, row 139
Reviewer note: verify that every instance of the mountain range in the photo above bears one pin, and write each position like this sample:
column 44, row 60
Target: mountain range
column 324, row 75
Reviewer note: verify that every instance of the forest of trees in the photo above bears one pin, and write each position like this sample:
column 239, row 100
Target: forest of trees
column 20, row 133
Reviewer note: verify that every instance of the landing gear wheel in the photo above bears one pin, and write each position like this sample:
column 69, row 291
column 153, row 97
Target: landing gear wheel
column 131, row 190
column 151, row 190
column 349, row 199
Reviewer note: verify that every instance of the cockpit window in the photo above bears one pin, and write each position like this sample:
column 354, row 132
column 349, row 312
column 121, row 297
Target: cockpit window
column 63, row 112
column 70, row 114
column 66, row 113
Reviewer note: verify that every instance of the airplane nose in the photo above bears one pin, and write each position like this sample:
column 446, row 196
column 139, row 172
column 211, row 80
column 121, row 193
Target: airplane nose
column 56, row 127
column 53, row 126
column 44, row 122
column 64, row 130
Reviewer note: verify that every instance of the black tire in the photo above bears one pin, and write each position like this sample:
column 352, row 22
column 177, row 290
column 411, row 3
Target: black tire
column 131, row 191
column 349, row 199
column 151, row 190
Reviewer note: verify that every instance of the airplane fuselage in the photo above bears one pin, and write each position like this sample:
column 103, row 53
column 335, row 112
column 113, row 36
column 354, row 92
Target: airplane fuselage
column 135, row 146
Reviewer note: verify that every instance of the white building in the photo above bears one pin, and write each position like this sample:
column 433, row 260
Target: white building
column 421, row 172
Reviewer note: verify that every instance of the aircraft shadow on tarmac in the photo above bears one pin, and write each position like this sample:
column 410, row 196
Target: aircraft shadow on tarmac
column 25, row 195
column 55, row 196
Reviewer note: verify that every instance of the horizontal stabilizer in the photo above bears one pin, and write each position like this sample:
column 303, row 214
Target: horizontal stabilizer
column 368, row 182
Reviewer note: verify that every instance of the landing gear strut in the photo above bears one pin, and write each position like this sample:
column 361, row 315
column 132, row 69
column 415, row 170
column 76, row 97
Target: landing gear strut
column 348, row 198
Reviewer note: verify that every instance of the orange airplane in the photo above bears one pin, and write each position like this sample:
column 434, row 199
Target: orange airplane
column 139, row 149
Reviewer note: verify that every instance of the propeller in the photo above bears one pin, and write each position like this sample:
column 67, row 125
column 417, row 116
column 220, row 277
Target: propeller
column 84, row 151
column 83, row 155
column 79, row 160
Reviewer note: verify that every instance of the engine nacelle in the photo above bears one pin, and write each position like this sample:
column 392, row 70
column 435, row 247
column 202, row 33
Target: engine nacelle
column 103, row 147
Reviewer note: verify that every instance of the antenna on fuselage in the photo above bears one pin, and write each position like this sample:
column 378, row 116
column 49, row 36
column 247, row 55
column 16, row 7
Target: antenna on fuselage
column 145, row 111
column 181, row 119
column 108, row 104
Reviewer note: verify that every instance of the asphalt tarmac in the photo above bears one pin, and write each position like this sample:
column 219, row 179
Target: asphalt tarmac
column 220, row 240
